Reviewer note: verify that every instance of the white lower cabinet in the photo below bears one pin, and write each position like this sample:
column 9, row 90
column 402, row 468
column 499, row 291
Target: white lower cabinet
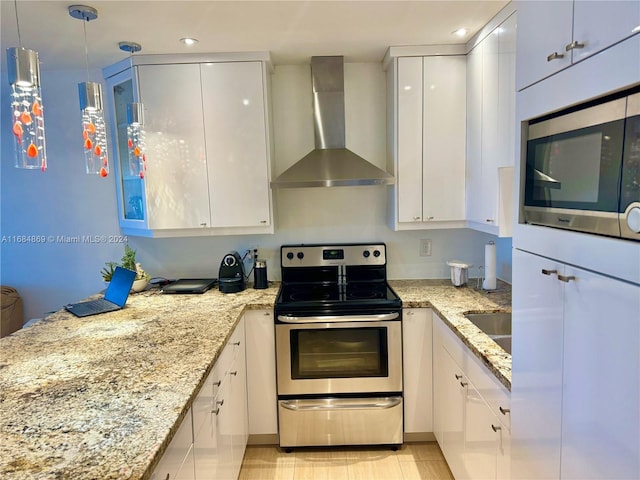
column 212, row 438
column 177, row 461
column 576, row 372
column 261, row 376
column 417, row 360
column 471, row 411
column 220, row 415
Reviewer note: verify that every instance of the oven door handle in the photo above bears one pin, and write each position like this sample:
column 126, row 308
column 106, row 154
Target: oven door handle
column 339, row 318
column 341, row 404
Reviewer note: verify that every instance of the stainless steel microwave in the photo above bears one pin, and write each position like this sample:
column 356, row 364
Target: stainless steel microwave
column 582, row 169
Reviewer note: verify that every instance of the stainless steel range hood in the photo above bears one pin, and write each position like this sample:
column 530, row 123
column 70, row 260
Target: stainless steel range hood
column 331, row 164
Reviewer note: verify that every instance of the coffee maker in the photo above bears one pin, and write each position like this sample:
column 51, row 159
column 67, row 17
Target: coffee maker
column 231, row 274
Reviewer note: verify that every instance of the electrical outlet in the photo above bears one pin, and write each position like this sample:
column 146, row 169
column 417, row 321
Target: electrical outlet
column 425, row 247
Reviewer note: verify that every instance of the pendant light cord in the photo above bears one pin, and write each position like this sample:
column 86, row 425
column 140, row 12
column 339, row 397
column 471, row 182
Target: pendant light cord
column 18, row 23
column 86, row 48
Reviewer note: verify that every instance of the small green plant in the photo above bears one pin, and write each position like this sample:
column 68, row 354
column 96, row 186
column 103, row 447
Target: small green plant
column 129, row 258
column 108, row 270
column 128, row 261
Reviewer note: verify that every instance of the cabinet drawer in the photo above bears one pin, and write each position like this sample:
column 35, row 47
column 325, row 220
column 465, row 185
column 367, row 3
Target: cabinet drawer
column 177, row 452
column 491, row 390
column 449, row 340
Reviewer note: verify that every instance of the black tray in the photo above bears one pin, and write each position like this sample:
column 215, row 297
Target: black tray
column 189, row 285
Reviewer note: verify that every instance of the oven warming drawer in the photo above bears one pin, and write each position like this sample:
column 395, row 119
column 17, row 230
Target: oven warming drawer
column 340, row 421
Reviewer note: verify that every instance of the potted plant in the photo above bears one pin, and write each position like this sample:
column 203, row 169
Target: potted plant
column 128, row 261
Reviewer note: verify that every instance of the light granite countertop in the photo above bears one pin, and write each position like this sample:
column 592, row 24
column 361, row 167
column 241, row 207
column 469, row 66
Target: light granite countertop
column 451, row 303
column 101, row 397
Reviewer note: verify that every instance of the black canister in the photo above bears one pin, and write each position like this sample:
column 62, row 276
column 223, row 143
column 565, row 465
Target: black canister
column 260, row 274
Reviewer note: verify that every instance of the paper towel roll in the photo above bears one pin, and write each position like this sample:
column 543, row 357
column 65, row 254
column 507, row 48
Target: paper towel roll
column 489, row 282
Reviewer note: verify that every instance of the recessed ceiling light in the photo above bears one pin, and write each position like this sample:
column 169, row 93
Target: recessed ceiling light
column 461, row 32
column 188, row 41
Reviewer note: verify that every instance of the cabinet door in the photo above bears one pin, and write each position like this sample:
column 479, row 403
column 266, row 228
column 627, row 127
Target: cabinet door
column 261, row 372
column 453, row 414
column 506, row 94
column 490, row 133
column 236, row 136
column 130, row 187
column 536, row 393
column 409, row 137
column 176, row 178
column 177, row 460
column 238, row 399
column 443, row 137
column 474, row 135
column 598, row 25
column 416, row 352
column 480, row 439
column 544, row 29
column 601, row 394
column 503, row 459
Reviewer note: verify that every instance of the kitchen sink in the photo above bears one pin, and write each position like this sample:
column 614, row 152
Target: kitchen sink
column 492, row 323
column 504, row 341
column 497, row 325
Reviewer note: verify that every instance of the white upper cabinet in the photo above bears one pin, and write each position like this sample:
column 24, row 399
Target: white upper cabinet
column 427, row 131
column 177, row 194
column 490, row 120
column 237, row 150
column 206, row 141
column 554, row 34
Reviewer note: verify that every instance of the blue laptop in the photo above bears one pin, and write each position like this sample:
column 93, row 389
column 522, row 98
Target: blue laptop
column 114, row 298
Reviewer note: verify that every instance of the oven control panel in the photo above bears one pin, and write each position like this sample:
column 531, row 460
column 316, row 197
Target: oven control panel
column 322, row 255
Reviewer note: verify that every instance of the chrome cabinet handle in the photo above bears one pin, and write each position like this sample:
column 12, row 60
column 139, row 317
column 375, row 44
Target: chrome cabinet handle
column 416, row 218
column 549, row 272
column 495, row 429
column 555, row 56
column 566, row 279
column 458, row 377
column 429, row 218
column 463, row 384
column 574, row 44
column 203, row 224
column 234, row 373
column 504, row 411
column 489, row 220
column 219, row 403
column 237, row 344
column 263, row 222
column 217, row 384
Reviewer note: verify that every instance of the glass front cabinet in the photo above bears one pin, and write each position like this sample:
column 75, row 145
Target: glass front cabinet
column 192, row 138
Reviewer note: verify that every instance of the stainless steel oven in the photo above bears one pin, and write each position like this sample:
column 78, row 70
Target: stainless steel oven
column 338, row 347
column 339, row 355
column 583, row 168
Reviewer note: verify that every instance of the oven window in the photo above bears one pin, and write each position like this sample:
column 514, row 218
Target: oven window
column 339, row 353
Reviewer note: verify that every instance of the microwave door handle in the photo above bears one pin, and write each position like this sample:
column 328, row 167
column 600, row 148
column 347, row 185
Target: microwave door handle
column 542, row 180
column 339, row 318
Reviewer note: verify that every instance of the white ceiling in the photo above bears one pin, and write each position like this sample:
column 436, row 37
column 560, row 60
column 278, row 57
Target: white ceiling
column 292, row 31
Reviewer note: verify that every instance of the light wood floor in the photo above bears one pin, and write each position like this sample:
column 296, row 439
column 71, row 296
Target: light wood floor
column 412, row 461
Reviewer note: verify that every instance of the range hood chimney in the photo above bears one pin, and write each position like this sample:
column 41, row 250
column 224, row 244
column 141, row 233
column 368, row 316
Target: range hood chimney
column 331, row 164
